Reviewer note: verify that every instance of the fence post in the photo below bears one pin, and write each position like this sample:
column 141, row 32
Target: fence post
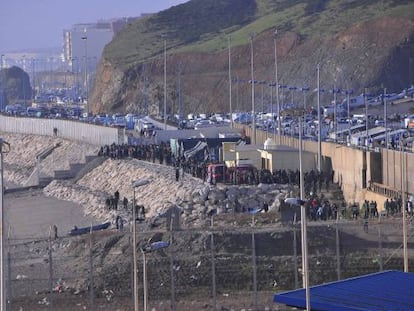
column 254, row 266
column 295, row 253
column 91, row 293
column 381, row 268
column 50, row 270
column 172, row 302
column 213, row 266
column 9, row 286
column 132, row 271
column 338, row 254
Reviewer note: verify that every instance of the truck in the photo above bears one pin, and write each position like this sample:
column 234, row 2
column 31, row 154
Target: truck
column 145, row 127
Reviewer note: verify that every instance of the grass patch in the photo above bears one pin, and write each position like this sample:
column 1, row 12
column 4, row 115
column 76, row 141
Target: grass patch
column 204, row 26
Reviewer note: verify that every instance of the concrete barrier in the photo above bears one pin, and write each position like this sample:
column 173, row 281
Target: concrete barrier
column 69, row 129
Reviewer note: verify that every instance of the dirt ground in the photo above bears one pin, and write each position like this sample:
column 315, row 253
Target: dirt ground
column 35, row 227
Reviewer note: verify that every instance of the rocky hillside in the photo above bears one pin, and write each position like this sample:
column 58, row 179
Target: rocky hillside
column 358, row 44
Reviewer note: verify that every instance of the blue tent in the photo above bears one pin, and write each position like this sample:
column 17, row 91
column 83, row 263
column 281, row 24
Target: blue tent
column 388, row 290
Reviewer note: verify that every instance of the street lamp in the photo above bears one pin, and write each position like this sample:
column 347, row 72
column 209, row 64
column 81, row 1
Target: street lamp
column 272, row 85
column 165, row 84
column 252, row 80
column 253, row 213
column 335, row 126
column 136, row 184
column 384, row 97
column 279, row 122
column 348, row 93
column 403, row 167
column 300, row 201
column 147, row 249
column 2, row 289
column 318, row 96
column 85, row 39
column 2, row 94
column 230, row 84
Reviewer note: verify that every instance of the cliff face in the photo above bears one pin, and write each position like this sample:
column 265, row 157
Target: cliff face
column 373, row 54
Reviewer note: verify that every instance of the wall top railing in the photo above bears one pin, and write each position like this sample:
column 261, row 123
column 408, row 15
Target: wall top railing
column 384, row 190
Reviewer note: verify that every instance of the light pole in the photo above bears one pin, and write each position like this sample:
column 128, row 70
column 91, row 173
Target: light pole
column 23, row 80
column 150, row 248
column 2, row 232
column 366, row 117
column 165, row 84
column 75, row 77
column 300, row 201
column 262, row 83
column 253, row 213
column 318, row 96
column 272, row 84
column 304, row 90
column 252, row 80
column 136, row 184
column 385, row 96
column 334, row 92
column 404, row 203
column 279, row 122
column 2, row 98
column 230, row 84
column 348, row 94
column 85, row 82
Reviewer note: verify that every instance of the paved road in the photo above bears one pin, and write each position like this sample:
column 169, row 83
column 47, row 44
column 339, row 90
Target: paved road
column 30, row 214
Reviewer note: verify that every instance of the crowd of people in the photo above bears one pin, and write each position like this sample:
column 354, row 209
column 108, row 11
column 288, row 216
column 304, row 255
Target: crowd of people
column 318, row 208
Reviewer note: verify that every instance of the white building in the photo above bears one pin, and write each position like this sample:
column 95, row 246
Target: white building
column 86, row 41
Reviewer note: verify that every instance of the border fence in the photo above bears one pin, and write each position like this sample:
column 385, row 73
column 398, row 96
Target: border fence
column 219, row 268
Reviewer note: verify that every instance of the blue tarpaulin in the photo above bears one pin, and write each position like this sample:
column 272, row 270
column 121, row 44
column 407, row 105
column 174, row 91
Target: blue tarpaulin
column 388, row 290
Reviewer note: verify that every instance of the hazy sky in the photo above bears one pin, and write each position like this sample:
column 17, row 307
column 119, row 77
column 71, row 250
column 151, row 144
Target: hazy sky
column 28, row 24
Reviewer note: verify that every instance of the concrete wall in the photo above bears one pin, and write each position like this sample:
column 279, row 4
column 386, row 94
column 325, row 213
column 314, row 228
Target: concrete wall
column 393, row 164
column 288, row 160
column 351, row 164
column 78, row 131
column 348, row 165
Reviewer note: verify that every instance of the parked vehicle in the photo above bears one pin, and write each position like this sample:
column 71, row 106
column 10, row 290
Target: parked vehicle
column 216, row 173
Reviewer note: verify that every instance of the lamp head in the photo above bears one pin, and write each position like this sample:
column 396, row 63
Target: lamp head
column 294, row 201
column 140, row 182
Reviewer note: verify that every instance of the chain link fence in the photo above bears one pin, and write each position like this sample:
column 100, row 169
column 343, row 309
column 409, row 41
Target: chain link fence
column 220, row 268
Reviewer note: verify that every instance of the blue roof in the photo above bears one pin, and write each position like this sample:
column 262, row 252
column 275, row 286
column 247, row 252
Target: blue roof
column 388, row 290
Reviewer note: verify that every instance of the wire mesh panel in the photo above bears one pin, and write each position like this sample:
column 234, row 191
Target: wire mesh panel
column 220, row 267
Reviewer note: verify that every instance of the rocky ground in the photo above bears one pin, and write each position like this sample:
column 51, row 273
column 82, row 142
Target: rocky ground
column 196, row 199
column 112, row 249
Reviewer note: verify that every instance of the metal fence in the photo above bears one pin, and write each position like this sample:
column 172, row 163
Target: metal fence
column 221, row 267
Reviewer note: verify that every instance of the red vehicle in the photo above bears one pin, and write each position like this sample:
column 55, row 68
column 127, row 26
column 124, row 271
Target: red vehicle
column 216, row 172
column 242, row 174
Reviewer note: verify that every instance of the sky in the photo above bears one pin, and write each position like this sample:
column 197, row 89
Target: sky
column 34, row 24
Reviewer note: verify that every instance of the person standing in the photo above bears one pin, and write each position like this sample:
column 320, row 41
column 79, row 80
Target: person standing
column 55, row 232
column 177, row 173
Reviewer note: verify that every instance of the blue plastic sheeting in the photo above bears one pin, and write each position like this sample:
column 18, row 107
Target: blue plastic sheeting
column 388, row 290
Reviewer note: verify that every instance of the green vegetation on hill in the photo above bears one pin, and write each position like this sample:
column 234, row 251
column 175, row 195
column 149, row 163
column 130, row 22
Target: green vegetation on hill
column 203, row 25
column 188, row 23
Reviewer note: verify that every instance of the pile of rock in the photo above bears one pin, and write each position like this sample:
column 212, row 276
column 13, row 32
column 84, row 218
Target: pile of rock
column 192, row 195
column 195, row 198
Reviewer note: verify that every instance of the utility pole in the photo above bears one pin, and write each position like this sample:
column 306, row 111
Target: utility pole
column 165, row 84
column 319, row 120
column 230, row 84
column 144, row 77
column 279, row 122
column 252, row 81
